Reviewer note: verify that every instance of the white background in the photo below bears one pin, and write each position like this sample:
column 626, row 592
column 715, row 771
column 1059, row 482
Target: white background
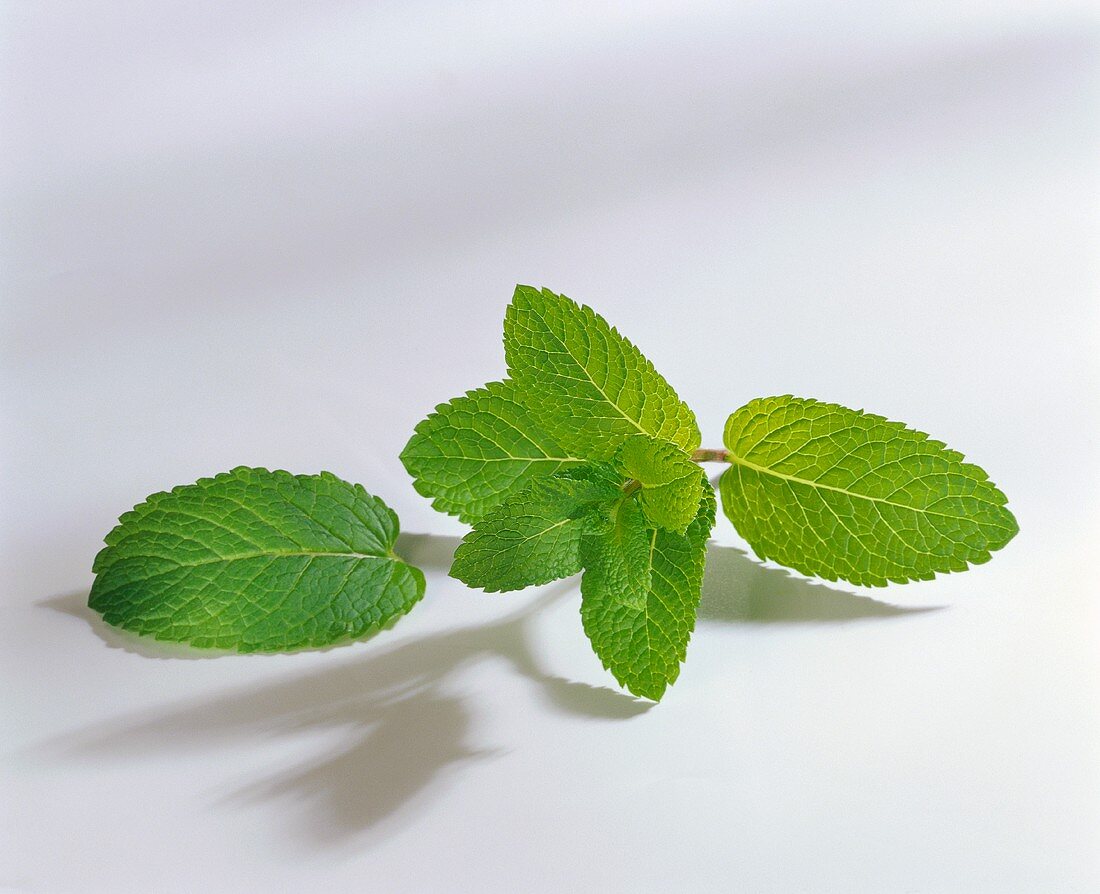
column 277, row 233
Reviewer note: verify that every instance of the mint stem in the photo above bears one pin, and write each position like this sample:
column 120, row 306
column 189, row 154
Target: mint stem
column 705, row 455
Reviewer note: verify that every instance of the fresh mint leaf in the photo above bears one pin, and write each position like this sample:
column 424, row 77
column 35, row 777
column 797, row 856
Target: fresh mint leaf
column 586, row 384
column 670, row 490
column 616, row 552
column 839, row 493
column 640, row 594
column 255, row 561
column 535, row 536
column 471, row 453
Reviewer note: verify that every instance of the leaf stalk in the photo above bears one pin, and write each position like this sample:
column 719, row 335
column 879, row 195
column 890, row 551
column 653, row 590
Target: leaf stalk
column 710, row 455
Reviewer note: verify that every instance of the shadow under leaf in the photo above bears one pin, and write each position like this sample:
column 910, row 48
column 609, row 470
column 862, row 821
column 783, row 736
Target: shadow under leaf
column 737, row 588
column 405, row 725
column 401, row 723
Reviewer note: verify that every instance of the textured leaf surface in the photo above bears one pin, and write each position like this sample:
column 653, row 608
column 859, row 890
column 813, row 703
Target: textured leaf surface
column 642, row 637
column 535, row 537
column 840, row 493
column 616, row 554
column 255, row 561
column 587, row 385
column 670, row 487
column 471, row 453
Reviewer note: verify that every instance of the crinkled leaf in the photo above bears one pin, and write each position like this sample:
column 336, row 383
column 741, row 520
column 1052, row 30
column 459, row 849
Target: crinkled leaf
column 587, row 385
column 535, row 536
column 670, row 489
column 839, row 493
column 616, row 552
column 255, row 561
column 642, row 637
column 471, row 453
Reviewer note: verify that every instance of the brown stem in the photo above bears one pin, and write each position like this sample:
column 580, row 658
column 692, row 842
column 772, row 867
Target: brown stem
column 710, row 456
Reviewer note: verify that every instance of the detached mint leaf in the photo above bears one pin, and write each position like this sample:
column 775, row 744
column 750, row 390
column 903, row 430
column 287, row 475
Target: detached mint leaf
column 587, row 385
column 255, row 561
column 639, row 605
column 535, row 537
column 670, row 489
column 471, row 453
column 839, row 493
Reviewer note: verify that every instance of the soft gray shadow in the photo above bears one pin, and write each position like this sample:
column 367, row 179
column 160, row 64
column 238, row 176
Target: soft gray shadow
column 429, row 552
column 406, row 728
column 738, row 588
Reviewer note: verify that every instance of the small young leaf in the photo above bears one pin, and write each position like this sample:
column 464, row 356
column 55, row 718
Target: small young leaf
column 839, row 493
column 255, row 561
column 472, row 453
column 642, row 637
column 535, row 537
column 670, row 490
column 616, row 553
column 586, row 384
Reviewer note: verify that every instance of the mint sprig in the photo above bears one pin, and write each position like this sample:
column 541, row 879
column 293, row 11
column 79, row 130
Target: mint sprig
column 583, row 460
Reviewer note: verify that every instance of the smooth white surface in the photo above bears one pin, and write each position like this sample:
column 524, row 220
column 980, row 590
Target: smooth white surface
column 278, row 233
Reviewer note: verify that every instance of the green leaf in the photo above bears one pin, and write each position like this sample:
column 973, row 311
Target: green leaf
column 535, row 537
column 254, row 560
column 670, row 490
column 471, row 453
column 638, row 604
column 586, row 384
column 839, row 493
column 616, row 552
